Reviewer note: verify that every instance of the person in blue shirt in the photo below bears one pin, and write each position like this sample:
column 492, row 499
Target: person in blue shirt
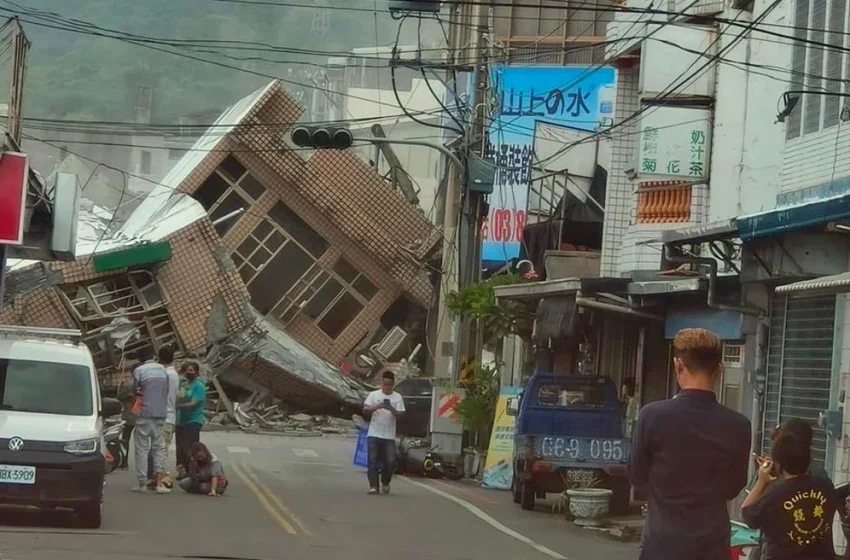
column 190, row 414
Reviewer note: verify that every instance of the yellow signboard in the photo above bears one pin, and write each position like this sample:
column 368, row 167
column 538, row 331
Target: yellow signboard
column 499, row 469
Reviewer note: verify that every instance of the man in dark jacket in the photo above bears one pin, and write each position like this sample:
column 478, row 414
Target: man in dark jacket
column 690, row 455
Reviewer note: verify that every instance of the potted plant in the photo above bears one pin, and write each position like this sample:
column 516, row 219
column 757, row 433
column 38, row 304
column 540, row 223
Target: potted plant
column 588, row 503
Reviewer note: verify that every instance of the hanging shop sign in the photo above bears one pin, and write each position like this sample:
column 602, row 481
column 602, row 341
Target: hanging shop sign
column 675, row 142
column 578, row 97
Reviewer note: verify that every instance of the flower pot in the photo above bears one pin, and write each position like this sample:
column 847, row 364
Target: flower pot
column 589, row 505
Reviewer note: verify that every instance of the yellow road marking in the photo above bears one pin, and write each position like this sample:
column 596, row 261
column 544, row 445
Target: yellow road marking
column 286, row 525
column 277, row 501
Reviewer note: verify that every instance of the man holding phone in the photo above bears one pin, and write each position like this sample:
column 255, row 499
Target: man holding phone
column 384, row 406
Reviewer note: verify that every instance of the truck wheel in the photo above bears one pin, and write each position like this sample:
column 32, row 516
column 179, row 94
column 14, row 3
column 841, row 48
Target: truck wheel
column 621, row 499
column 90, row 515
column 527, row 495
column 516, row 489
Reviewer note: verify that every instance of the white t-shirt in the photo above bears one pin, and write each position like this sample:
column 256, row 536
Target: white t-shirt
column 382, row 424
column 173, row 386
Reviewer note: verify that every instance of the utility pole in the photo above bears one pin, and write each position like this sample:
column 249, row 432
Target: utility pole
column 20, row 48
column 463, row 209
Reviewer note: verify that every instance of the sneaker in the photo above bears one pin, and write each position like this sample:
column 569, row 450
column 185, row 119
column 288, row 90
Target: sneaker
column 140, row 489
column 373, row 490
column 161, row 489
column 386, row 489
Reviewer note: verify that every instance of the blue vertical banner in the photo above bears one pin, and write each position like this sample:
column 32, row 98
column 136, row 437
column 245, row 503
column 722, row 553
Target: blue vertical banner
column 580, row 97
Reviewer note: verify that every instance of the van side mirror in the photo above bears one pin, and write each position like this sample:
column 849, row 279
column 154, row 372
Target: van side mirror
column 512, row 406
column 110, row 407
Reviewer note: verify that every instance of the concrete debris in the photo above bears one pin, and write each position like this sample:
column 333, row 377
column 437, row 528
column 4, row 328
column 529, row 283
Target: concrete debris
column 263, row 413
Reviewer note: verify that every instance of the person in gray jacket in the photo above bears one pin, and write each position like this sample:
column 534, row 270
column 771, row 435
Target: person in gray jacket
column 150, row 385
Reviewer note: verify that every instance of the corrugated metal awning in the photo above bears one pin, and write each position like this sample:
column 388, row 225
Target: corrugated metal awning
column 835, row 283
column 793, row 218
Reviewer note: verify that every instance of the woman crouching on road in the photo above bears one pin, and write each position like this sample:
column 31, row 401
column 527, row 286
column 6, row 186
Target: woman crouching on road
column 205, row 475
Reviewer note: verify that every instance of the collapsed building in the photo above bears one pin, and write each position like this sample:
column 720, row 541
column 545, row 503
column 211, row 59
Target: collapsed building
column 269, row 264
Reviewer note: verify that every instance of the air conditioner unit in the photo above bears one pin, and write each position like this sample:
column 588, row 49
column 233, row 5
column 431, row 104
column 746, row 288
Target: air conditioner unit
column 393, row 340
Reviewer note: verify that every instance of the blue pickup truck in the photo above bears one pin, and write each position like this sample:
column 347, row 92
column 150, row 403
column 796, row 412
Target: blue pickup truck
column 569, row 427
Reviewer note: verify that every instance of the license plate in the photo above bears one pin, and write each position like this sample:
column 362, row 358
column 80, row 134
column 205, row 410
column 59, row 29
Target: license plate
column 14, row 474
column 584, row 449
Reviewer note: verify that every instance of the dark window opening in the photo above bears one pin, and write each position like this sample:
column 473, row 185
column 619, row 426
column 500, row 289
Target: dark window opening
column 278, row 276
column 232, row 168
column 340, row 315
column 298, row 229
column 322, row 299
column 250, row 185
column 211, row 190
column 364, row 287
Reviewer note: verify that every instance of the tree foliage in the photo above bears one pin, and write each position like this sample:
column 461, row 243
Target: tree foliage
column 80, row 75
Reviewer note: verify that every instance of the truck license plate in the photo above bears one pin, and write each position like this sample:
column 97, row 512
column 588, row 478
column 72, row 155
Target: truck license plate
column 15, row 474
column 584, row 449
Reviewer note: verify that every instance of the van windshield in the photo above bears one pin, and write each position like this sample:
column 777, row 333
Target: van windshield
column 45, row 387
column 572, row 393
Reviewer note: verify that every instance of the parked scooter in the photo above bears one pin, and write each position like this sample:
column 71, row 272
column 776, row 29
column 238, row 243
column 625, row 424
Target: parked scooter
column 116, row 445
column 416, row 456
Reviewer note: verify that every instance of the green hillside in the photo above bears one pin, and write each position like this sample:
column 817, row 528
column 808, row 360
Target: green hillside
column 83, row 76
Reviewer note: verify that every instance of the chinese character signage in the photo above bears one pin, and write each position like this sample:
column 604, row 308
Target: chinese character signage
column 499, row 468
column 574, row 96
column 675, row 141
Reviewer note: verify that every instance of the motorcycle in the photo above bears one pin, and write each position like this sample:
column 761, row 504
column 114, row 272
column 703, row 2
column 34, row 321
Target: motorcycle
column 416, row 456
column 116, row 447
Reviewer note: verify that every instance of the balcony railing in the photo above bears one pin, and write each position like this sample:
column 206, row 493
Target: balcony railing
column 662, row 202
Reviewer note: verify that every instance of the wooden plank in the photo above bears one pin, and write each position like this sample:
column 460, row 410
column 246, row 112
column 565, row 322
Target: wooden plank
column 223, row 397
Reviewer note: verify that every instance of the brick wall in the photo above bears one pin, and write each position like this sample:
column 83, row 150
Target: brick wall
column 619, row 196
column 39, row 308
column 197, row 274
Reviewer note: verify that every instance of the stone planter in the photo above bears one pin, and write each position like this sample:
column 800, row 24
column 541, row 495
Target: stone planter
column 589, row 505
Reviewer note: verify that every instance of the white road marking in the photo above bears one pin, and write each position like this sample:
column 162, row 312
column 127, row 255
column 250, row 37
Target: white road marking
column 489, row 520
column 304, row 453
column 231, row 449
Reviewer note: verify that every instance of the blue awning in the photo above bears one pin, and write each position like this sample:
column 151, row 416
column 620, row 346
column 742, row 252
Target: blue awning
column 794, row 218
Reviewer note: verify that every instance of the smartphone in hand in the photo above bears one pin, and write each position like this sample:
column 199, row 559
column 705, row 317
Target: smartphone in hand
column 387, row 403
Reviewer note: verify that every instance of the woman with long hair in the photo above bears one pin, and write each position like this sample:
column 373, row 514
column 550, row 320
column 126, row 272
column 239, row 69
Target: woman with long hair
column 205, row 474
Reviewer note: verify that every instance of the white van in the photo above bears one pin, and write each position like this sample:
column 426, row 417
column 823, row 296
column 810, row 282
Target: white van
column 51, row 422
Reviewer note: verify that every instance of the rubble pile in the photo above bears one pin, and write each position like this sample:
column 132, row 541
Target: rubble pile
column 263, row 413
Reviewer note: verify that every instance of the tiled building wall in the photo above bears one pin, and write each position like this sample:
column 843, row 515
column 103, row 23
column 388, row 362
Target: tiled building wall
column 350, row 195
column 302, row 328
column 359, row 215
column 39, row 308
column 619, row 197
column 199, row 272
column 191, row 281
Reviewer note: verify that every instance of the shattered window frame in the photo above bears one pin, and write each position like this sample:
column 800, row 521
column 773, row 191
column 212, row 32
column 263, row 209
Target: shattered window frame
column 235, row 186
column 102, row 297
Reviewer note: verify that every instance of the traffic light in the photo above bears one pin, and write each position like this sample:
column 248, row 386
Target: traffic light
column 336, row 138
column 432, row 6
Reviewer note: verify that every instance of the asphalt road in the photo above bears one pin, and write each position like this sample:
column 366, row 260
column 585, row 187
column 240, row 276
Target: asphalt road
column 292, row 498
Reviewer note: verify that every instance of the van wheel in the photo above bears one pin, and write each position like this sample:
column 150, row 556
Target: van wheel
column 90, row 515
column 516, row 489
column 527, row 496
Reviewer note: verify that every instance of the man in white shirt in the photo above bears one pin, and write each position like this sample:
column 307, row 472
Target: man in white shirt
column 384, row 406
